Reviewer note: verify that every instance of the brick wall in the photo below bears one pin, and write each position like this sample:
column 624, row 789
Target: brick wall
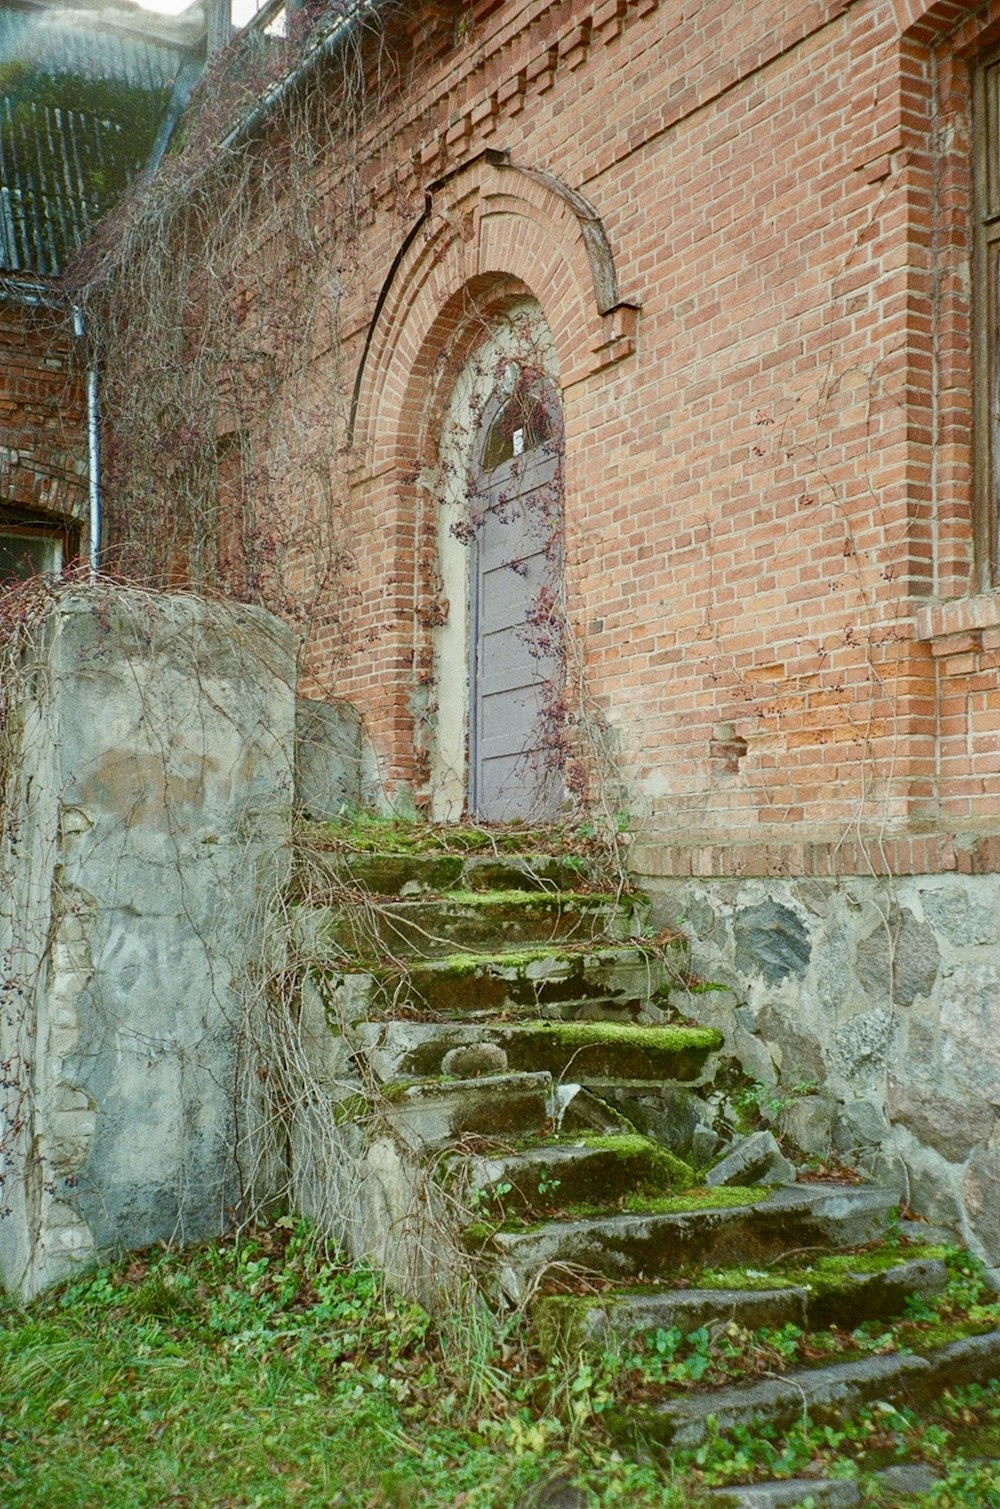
column 768, row 468
column 43, row 452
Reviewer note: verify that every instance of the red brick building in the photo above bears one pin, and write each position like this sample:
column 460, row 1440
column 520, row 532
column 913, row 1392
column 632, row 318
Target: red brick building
column 659, row 355
column 753, row 275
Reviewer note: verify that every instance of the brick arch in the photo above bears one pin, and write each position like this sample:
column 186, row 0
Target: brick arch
column 489, row 222
column 491, row 233
column 53, row 492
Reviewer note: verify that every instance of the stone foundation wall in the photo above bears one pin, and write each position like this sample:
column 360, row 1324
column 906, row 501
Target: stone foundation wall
column 148, row 751
column 873, row 1006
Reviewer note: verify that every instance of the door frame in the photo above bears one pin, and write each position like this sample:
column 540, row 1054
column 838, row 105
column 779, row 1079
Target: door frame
column 518, row 334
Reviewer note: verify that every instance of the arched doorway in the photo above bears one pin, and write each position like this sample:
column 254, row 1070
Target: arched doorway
column 500, row 656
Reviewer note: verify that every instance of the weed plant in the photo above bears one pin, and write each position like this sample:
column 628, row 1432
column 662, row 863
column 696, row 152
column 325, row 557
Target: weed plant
column 262, row 1372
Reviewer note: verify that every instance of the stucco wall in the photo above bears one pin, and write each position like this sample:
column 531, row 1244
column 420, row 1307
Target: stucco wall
column 877, row 996
column 150, row 745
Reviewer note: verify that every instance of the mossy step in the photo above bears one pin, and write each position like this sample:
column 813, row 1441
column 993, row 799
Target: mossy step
column 592, row 1053
column 319, row 871
column 541, row 1180
column 545, row 980
column 478, row 922
column 434, row 1113
column 703, row 1228
column 826, row 1395
column 843, row 1291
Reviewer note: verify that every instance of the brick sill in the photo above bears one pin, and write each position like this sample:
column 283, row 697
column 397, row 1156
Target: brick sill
column 958, row 615
column 803, row 858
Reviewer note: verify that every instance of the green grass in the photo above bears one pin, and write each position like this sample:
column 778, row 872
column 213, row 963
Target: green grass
column 259, row 1374
column 262, row 1373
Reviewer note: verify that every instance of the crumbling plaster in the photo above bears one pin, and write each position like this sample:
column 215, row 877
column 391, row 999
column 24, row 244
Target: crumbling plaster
column 147, row 824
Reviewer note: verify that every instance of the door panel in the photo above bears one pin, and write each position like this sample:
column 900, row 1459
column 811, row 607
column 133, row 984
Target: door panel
column 516, row 668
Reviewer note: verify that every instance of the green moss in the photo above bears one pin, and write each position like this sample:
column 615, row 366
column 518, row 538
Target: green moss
column 655, row 1164
column 558, row 1322
column 547, row 899
column 478, row 1233
column 646, row 1205
column 825, row 1274
column 742, row 1278
column 621, row 1143
column 626, row 1163
column 611, row 1117
column 461, row 965
column 375, row 834
column 729, row 1198
column 397, row 1089
column 925, row 1338
column 830, row 1269
column 351, row 1108
column 658, row 1039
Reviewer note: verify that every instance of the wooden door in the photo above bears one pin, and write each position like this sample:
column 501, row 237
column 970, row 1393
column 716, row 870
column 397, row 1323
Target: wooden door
column 517, row 664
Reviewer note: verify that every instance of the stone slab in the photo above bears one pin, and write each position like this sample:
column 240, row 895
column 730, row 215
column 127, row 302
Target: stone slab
column 823, row 1493
column 630, row 1246
column 826, row 1394
column 752, row 1160
column 589, row 1053
column 435, row 1114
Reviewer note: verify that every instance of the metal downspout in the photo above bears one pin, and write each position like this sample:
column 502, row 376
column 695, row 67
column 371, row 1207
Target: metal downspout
column 93, row 447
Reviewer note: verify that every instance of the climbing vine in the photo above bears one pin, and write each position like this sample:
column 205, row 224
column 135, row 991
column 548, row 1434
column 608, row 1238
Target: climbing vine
column 209, row 292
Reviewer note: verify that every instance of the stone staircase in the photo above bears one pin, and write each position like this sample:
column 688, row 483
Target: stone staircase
column 497, row 1010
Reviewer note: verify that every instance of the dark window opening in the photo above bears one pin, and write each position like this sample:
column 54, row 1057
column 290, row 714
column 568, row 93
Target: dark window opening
column 31, row 546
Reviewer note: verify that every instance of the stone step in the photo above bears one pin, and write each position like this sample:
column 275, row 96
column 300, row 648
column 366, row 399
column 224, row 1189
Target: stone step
column 543, row 1179
column 319, row 872
column 843, row 1298
column 575, row 983
column 827, row 1395
column 434, row 1113
column 593, row 1053
column 469, row 921
column 710, row 1228
column 793, row 1493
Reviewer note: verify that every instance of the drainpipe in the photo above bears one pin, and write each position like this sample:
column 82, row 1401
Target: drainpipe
column 93, row 447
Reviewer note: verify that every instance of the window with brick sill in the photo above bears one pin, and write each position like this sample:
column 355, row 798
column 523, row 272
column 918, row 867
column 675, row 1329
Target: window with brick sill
column 986, row 316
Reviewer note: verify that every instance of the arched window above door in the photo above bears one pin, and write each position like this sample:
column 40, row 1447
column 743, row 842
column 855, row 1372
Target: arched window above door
column 523, row 425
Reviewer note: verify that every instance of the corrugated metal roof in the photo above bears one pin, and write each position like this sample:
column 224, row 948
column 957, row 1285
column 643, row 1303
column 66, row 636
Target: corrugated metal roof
column 60, row 170
column 80, row 104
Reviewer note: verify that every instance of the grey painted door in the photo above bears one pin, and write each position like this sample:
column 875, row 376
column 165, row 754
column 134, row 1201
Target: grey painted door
column 516, row 672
